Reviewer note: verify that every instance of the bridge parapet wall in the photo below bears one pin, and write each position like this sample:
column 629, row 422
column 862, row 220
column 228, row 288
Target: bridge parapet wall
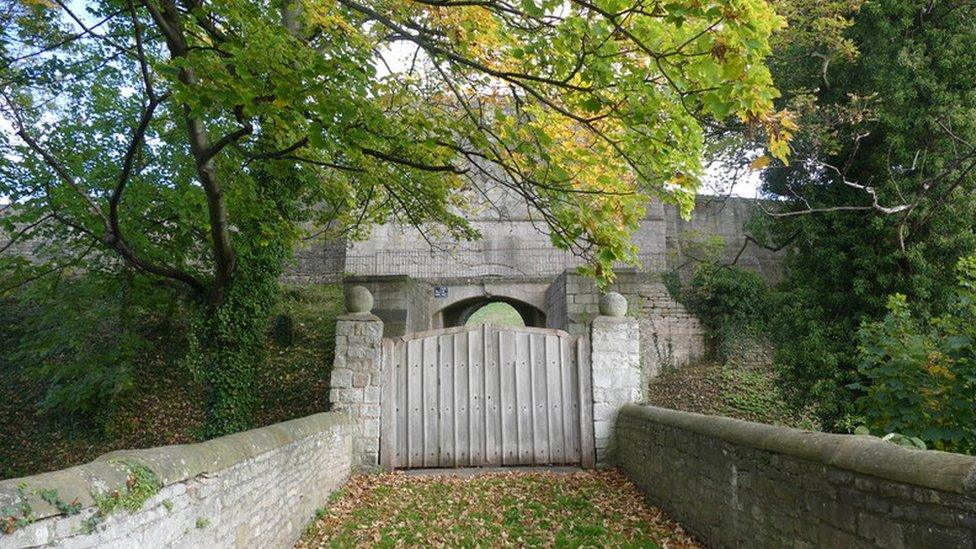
column 740, row 484
column 257, row 488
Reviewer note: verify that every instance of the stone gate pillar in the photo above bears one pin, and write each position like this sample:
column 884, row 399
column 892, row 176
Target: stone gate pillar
column 357, row 373
column 616, row 365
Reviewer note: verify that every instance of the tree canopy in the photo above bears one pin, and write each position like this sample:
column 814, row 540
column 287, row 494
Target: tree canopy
column 879, row 198
column 134, row 118
column 194, row 142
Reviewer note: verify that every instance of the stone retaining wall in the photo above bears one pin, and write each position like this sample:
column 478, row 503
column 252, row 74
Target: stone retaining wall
column 258, row 488
column 670, row 336
column 739, row 484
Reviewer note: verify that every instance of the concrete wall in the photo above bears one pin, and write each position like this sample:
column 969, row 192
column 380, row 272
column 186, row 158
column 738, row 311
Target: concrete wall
column 258, row 488
column 515, row 244
column 724, row 217
column 317, row 262
column 401, row 302
column 528, row 293
column 740, row 484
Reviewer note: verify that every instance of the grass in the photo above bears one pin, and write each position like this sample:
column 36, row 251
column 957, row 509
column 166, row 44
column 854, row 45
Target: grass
column 750, row 393
column 498, row 313
column 753, row 395
column 515, row 509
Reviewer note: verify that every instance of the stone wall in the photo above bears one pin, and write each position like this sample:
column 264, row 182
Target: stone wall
column 670, row 336
column 739, row 484
column 318, row 261
column 514, row 243
column 617, row 376
column 258, row 488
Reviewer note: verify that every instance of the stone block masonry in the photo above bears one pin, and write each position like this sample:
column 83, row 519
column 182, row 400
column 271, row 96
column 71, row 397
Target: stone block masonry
column 670, row 336
column 357, row 381
column 257, row 488
column 617, row 376
column 739, row 484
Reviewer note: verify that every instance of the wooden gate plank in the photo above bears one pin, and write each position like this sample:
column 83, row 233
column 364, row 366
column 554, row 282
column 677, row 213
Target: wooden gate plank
column 402, row 403
column 493, row 411
column 587, row 443
column 507, row 349
column 430, row 406
column 446, row 396
column 570, row 400
column 462, row 399
column 554, row 394
column 523, row 397
column 540, row 400
column 415, row 404
column 476, row 384
column 388, row 407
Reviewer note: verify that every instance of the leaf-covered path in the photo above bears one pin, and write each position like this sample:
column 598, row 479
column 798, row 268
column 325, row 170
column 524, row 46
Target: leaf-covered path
column 585, row 508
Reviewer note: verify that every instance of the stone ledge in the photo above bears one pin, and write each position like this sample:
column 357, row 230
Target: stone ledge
column 171, row 464
column 863, row 454
column 359, row 317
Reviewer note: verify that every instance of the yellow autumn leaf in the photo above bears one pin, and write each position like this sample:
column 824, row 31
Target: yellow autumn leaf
column 759, row 163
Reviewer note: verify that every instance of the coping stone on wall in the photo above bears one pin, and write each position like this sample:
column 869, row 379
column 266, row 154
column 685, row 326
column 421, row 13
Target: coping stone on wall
column 863, row 454
column 171, row 464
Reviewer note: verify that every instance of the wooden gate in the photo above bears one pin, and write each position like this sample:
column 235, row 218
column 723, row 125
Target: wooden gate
column 486, row 395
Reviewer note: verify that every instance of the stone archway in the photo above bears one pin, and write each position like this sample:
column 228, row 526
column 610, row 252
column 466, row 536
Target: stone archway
column 458, row 313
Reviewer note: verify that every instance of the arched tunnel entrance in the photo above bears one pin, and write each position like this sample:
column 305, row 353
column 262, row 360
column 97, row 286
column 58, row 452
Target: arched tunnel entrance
column 474, row 309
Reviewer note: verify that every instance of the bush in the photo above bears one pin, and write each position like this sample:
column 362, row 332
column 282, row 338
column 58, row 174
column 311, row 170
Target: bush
column 81, row 337
column 732, row 304
column 815, row 356
column 919, row 376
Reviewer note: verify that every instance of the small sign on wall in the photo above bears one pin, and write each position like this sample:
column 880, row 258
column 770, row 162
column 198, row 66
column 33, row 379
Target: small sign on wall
column 440, row 291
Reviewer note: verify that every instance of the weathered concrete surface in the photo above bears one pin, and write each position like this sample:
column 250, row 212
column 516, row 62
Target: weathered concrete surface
column 401, row 302
column 356, row 383
column 252, row 489
column 514, row 244
column 617, row 376
column 740, row 484
column 456, row 294
column 725, row 218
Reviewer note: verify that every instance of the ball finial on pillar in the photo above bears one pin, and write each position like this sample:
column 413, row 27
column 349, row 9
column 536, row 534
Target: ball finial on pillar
column 359, row 300
column 613, row 304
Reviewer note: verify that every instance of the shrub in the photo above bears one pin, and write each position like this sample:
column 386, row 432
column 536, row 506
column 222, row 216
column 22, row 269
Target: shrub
column 919, row 375
column 815, row 356
column 732, row 304
column 82, row 339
